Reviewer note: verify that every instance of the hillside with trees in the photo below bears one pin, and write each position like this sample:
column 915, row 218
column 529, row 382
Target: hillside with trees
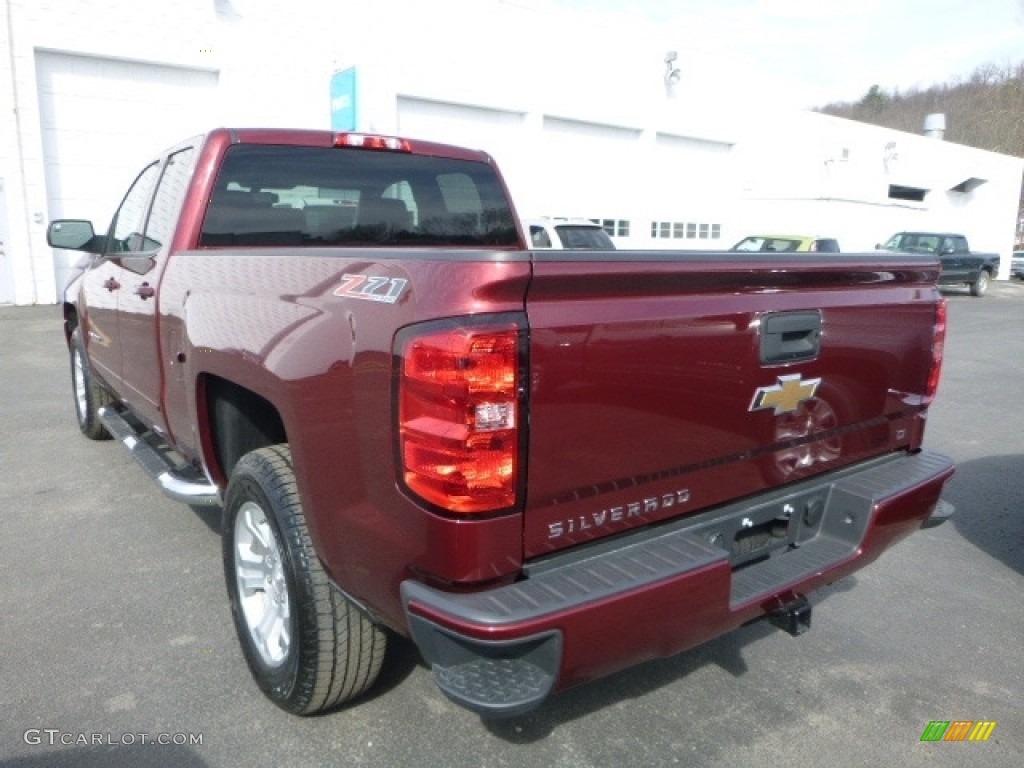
column 985, row 110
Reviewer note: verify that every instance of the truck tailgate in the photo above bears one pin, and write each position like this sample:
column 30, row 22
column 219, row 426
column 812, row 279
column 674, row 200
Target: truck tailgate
column 664, row 384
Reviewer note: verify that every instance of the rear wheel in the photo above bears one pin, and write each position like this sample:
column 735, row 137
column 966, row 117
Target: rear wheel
column 980, row 286
column 89, row 395
column 307, row 646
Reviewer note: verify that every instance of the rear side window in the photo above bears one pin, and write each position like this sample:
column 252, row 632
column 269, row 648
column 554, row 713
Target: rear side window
column 170, row 192
column 539, row 237
column 269, row 195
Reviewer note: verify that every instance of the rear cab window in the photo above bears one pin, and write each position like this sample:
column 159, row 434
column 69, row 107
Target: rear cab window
column 575, row 236
column 769, row 244
column 276, row 195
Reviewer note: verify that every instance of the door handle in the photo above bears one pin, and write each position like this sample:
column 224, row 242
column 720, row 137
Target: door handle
column 111, row 284
column 146, row 291
column 787, row 337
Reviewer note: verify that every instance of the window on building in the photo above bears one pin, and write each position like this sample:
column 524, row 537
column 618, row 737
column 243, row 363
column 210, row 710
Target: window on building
column 614, row 227
column 968, row 185
column 685, row 230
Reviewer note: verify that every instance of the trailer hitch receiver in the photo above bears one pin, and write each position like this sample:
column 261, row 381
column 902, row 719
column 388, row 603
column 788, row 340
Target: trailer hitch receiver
column 793, row 616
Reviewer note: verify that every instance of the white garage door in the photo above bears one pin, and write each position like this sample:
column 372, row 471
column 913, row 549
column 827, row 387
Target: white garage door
column 598, row 168
column 101, row 120
column 498, row 132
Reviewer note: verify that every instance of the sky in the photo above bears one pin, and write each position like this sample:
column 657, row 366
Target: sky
column 814, row 52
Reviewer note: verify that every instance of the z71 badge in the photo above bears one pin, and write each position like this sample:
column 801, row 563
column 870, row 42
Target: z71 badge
column 369, row 288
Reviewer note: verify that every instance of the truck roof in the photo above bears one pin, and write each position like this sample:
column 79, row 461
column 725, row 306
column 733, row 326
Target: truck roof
column 321, row 138
column 929, row 232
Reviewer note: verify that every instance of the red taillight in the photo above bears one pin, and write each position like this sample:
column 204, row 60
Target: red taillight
column 938, row 350
column 458, row 414
column 367, row 141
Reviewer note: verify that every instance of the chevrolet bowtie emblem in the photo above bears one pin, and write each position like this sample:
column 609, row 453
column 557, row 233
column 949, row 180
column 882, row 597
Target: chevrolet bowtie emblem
column 786, row 395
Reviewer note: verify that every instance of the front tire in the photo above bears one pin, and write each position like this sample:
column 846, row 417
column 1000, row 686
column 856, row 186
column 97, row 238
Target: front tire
column 89, row 395
column 308, row 648
column 980, row 286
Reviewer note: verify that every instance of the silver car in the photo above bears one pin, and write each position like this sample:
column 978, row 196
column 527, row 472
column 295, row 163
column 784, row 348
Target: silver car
column 1017, row 265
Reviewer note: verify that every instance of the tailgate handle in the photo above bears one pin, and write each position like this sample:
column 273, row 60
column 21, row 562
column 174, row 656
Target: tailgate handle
column 790, row 336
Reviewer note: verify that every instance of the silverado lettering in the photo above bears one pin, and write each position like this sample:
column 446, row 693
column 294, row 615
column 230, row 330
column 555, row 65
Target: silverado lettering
column 616, row 514
column 412, row 422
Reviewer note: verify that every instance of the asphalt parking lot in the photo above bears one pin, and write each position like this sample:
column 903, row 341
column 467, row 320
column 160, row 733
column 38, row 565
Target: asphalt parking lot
column 116, row 633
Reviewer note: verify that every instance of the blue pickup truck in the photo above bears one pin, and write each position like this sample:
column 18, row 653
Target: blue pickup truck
column 960, row 265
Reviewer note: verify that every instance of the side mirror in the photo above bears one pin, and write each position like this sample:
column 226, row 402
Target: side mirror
column 878, row 246
column 74, row 235
column 947, row 251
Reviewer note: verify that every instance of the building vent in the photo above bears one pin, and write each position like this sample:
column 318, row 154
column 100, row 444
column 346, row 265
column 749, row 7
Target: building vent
column 899, row 192
column 968, row 185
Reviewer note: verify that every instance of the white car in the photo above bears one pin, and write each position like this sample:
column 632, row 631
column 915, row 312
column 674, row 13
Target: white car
column 568, row 234
column 1017, row 265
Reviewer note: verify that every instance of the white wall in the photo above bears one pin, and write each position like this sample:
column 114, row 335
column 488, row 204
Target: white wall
column 65, row 63
column 574, row 108
column 58, row 114
column 820, row 175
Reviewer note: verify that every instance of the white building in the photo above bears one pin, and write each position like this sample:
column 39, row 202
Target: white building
column 585, row 118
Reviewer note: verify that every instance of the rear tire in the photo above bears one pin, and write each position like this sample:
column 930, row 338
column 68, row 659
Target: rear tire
column 308, row 648
column 980, row 286
column 89, row 395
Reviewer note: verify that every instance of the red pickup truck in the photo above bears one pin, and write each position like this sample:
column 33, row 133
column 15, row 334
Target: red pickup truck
column 540, row 466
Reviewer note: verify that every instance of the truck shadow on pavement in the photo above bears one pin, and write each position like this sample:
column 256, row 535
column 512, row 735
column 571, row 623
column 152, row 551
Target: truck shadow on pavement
column 726, row 652
column 989, row 497
column 633, row 683
column 210, row 516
